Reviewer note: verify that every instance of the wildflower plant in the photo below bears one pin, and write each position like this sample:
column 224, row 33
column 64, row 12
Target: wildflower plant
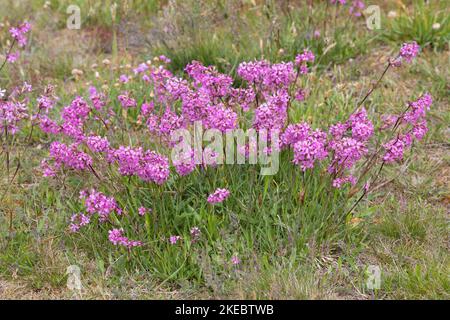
column 14, row 110
column 140, row 202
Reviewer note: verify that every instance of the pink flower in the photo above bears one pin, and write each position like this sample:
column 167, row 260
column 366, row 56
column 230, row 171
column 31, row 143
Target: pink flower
column 409, row 51
column 218, row 196
column 48, row 126
column 174, row 239
column 300, row 95
column 11, row 115
column 221, row 118
column 97, row 202
column 12, row 57
column 184, row 163
column 169, row 122
column 18, row 33
column 395, row 148
column 77, row 221
column 70, row 156
column 418, row 109
column 124, row 78
column 235, row 260
column 306, row 56
column 347, row 151
column 310, row 150
column 338, row 182
column 117, row 238
column 357, row 8
column 361, row 126
column 97, row 143
column 45, row 103
column 154, row 167
column 126, row 101
column 141, row 68
column 142, row 211
column 147, row 108
column 273, row 113
column 164, row 59
column 96, row 98
column 294, row 133
column 302, row 59
column 47, row 169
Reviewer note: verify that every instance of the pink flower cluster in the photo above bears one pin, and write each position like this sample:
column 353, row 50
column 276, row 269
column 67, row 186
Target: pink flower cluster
column 142, row 211
column 18, row 33
column 357, row 8
column 69, row 156
column 302, row 59
column 218, row 196
column 97, row 144
column 309, row 145
column 126, row 101
column 408, row 52
column 97, row 99
column 311, row 149
column 348, row 142
column 174, row 239
column 96, row 202
column 118, row 239
column 414, row 125
column 148, row 165
column 13, row 109
column 339, row 182
column 11, row 114
column 267, row 77
column 74, row 117
column 273, row 113
column 77, row 221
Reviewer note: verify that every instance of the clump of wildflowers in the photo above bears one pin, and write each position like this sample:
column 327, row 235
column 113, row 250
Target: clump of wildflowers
column 208, row 96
